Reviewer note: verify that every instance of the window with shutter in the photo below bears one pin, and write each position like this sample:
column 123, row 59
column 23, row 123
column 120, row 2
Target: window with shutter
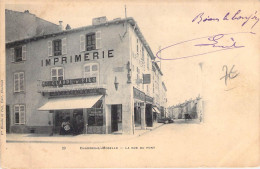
column 57, row 47
column 19, row 82
column 16, row 114
column 18, row 54
column 22, row 114
column 19, row 114
column 90, row 42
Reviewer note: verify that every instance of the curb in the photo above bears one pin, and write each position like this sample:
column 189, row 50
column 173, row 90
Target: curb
column 149, row 130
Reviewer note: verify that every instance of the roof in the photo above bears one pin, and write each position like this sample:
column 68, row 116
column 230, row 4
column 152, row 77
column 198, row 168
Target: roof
column 157, row 67
column 28, row 13
column 130, row 20
column 163, row 84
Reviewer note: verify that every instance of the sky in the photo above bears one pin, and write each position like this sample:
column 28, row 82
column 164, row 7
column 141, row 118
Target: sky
column 161, row 26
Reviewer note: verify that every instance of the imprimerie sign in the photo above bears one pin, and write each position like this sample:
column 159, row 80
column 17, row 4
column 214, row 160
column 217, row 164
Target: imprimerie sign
column 83, row 57
column 60, row 83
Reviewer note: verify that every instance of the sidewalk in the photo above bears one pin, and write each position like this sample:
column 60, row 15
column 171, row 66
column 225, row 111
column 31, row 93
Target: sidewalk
column 83, row 138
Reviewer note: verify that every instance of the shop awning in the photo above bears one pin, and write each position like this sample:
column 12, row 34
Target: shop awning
column 70, row 103
column 156, row 109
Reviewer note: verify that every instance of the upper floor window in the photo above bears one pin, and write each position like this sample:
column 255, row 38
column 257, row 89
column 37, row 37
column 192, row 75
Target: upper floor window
column 90, row 41
column 57, row 74
column 57, row 47
column 18, row 54
column 91, row 70
column 19, row 114
column 19, row 82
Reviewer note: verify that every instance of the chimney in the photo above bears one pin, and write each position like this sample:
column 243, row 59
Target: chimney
column 26, row 11
column 68, row 27
column 99, row 20
column 61, row 27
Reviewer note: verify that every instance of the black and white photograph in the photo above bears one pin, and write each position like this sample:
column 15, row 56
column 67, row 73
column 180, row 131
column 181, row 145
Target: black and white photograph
column 121, row 84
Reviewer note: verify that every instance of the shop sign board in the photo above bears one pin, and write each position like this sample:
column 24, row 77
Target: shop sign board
column 139, row 94
column 61, row 83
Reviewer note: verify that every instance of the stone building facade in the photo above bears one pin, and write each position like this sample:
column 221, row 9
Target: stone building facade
column 98, row 77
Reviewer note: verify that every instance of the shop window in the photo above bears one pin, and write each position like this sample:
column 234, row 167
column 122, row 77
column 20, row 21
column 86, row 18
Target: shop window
column 95, row 114
column 57, row 74
column 91, row 70
column 18, row 54
column 19, row 114
column 19, row 82
column 57, row 47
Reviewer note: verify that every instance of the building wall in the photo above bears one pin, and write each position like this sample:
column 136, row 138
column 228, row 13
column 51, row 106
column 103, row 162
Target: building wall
column 141, row 63
column 37, row 51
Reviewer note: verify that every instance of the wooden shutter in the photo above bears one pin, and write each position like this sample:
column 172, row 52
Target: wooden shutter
column 98, row 39
column 64, row 46
column 12, row 55
column 24, row 52
column 49, row 48
column 21, row 77
column 82, row 43
column 16, row 82
column 22, row 114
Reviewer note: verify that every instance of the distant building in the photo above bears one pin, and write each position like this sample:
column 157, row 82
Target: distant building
column 22, row 25
column 193, row 108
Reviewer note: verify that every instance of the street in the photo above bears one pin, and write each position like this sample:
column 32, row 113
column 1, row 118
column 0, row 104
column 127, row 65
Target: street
column 170, row 145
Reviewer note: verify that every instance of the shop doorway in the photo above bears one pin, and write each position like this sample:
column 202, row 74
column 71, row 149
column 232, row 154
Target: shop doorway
column 7, row 119
column 149, row 115
column 137, row 116
column 59, row 117
column 77, row 122
column 116, row 117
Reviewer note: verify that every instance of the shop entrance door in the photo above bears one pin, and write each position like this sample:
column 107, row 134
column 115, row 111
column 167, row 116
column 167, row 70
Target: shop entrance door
column 77, row 121
column 114, row 121
column 149, row 115
column 7, row 119
column 59, row 117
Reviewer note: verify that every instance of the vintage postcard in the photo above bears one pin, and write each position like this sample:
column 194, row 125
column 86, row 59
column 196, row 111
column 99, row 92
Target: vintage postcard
column 126, row 84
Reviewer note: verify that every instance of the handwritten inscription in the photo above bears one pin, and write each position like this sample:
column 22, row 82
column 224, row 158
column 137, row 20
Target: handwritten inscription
column 229, row 74
column 238, row 16
column 214, row 43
